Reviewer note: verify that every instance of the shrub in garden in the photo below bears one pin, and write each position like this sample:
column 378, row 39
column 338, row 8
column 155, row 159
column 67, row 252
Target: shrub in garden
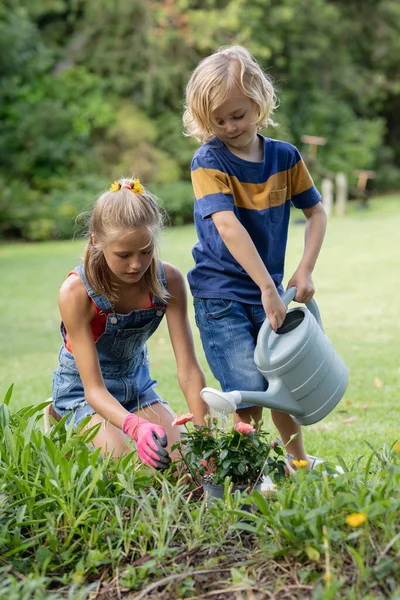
column 243, row 453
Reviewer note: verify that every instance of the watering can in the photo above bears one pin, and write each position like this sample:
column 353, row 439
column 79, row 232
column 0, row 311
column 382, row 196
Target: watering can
column 306, row 377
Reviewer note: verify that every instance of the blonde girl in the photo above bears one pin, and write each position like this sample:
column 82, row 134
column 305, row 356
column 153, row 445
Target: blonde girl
column 110, row 306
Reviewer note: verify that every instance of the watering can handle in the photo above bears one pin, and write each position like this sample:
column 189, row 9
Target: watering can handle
column 287, row 297
column 312, row 306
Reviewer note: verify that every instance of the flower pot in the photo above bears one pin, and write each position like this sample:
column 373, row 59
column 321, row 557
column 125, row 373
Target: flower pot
column 212, row 491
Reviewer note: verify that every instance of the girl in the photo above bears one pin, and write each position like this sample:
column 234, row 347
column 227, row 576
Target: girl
column 110, row 306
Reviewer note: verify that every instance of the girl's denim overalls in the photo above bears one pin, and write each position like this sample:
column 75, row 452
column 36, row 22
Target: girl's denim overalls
column 122, row 355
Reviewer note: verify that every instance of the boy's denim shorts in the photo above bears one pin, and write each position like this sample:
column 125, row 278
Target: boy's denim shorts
column 134, row 391
column 229, row 331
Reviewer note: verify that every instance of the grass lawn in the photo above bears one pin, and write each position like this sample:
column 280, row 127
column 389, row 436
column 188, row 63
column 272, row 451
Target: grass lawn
column 74, row 526
column 357, row 286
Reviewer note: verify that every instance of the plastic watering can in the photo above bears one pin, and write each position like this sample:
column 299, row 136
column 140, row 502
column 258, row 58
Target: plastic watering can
column 306, row 377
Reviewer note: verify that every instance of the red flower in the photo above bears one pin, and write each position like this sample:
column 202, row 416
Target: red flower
column 182, row 419
column 209, row 466
column 244, row 427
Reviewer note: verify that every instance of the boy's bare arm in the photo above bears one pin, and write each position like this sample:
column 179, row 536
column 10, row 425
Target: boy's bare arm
column 242, row 248
column 314, row 236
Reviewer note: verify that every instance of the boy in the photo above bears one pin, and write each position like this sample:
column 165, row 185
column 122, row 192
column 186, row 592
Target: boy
column 243, row 185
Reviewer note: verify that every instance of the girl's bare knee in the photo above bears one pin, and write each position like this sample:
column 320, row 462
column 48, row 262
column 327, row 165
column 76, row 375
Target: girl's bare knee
column 110, row 439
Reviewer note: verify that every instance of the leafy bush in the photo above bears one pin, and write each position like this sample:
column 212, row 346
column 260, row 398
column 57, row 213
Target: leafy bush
column 177, row 200
column 242, row 453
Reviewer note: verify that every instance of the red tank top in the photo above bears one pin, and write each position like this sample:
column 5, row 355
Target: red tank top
column 98, row 323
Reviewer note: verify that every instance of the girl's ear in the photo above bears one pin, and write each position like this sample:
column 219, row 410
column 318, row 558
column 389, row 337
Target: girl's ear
column 92, row 239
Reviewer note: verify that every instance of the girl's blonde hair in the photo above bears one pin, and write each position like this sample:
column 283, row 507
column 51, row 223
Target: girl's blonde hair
column 214, row 78
column 114, row 212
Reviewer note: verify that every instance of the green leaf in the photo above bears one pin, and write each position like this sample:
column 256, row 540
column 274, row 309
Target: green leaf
column 7, row 397
column 312, row 553
column 43, row 556
column 357, row 559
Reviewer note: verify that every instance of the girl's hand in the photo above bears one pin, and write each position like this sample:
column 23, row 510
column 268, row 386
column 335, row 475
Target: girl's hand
column 151, row 441
column 302, row 280
column 274, row 307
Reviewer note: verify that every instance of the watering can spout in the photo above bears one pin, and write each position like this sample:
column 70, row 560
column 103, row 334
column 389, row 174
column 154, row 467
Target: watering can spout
column 277, row 397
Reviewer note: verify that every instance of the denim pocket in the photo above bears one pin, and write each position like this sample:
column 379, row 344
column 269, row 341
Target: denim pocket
column 127, row 342
column 216, row 308
column 63, row 382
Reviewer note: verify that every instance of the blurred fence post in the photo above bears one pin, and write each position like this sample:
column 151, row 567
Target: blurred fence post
column 327, row 195
column 341, row 194
column 363, row 177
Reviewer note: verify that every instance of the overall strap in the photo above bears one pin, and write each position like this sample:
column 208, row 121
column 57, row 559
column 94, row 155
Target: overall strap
column 162, row 278
column 162, row 274
column 100, row 301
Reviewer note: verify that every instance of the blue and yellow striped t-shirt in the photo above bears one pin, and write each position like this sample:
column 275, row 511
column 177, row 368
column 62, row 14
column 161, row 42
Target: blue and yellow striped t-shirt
column 259, row 193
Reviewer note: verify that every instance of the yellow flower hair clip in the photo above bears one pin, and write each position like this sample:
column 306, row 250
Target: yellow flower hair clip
column 137, row 186
column 115, row 186
column 134, row 185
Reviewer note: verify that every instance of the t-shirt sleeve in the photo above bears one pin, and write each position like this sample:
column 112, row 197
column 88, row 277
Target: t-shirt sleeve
column 210, row 185
column 304, row 194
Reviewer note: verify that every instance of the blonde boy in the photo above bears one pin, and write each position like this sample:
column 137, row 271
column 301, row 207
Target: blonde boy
column 244, row 184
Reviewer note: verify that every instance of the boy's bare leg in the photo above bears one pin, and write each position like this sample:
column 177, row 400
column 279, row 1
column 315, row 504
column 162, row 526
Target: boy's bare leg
column 287, row 427
column 248, row 415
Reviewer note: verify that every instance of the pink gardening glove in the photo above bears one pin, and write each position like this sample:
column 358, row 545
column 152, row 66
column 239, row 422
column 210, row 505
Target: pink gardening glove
column 150, row 440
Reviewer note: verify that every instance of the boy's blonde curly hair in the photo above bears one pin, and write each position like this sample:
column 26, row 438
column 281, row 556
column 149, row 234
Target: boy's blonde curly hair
column 212, row 80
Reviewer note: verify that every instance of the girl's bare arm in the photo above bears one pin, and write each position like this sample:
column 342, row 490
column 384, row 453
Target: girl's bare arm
column 190, row 375
column 77, row 312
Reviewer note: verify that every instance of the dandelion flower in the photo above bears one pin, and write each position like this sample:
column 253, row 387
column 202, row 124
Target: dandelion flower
column 182, row 419
column 397, row 448
column 244, row 427
column 356, row 519
column 300, row 463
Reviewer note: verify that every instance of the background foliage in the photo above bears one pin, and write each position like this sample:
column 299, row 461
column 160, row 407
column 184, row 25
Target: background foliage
column 93, row 89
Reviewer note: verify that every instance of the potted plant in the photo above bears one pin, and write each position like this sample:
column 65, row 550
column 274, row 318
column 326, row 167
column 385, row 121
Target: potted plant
column 242, row 453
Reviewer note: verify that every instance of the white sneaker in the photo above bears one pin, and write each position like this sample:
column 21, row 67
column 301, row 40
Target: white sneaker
column 267, row 485
column 313, row 460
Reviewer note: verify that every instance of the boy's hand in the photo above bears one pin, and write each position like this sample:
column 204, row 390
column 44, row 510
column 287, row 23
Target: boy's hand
column 302, row 280
column 274, row 308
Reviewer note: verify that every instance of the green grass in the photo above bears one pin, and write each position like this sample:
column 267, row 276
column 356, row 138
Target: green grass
column 75, row 526
column 357, row 285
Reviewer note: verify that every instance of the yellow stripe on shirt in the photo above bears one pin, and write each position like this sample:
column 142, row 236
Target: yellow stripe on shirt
column 278, row 188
